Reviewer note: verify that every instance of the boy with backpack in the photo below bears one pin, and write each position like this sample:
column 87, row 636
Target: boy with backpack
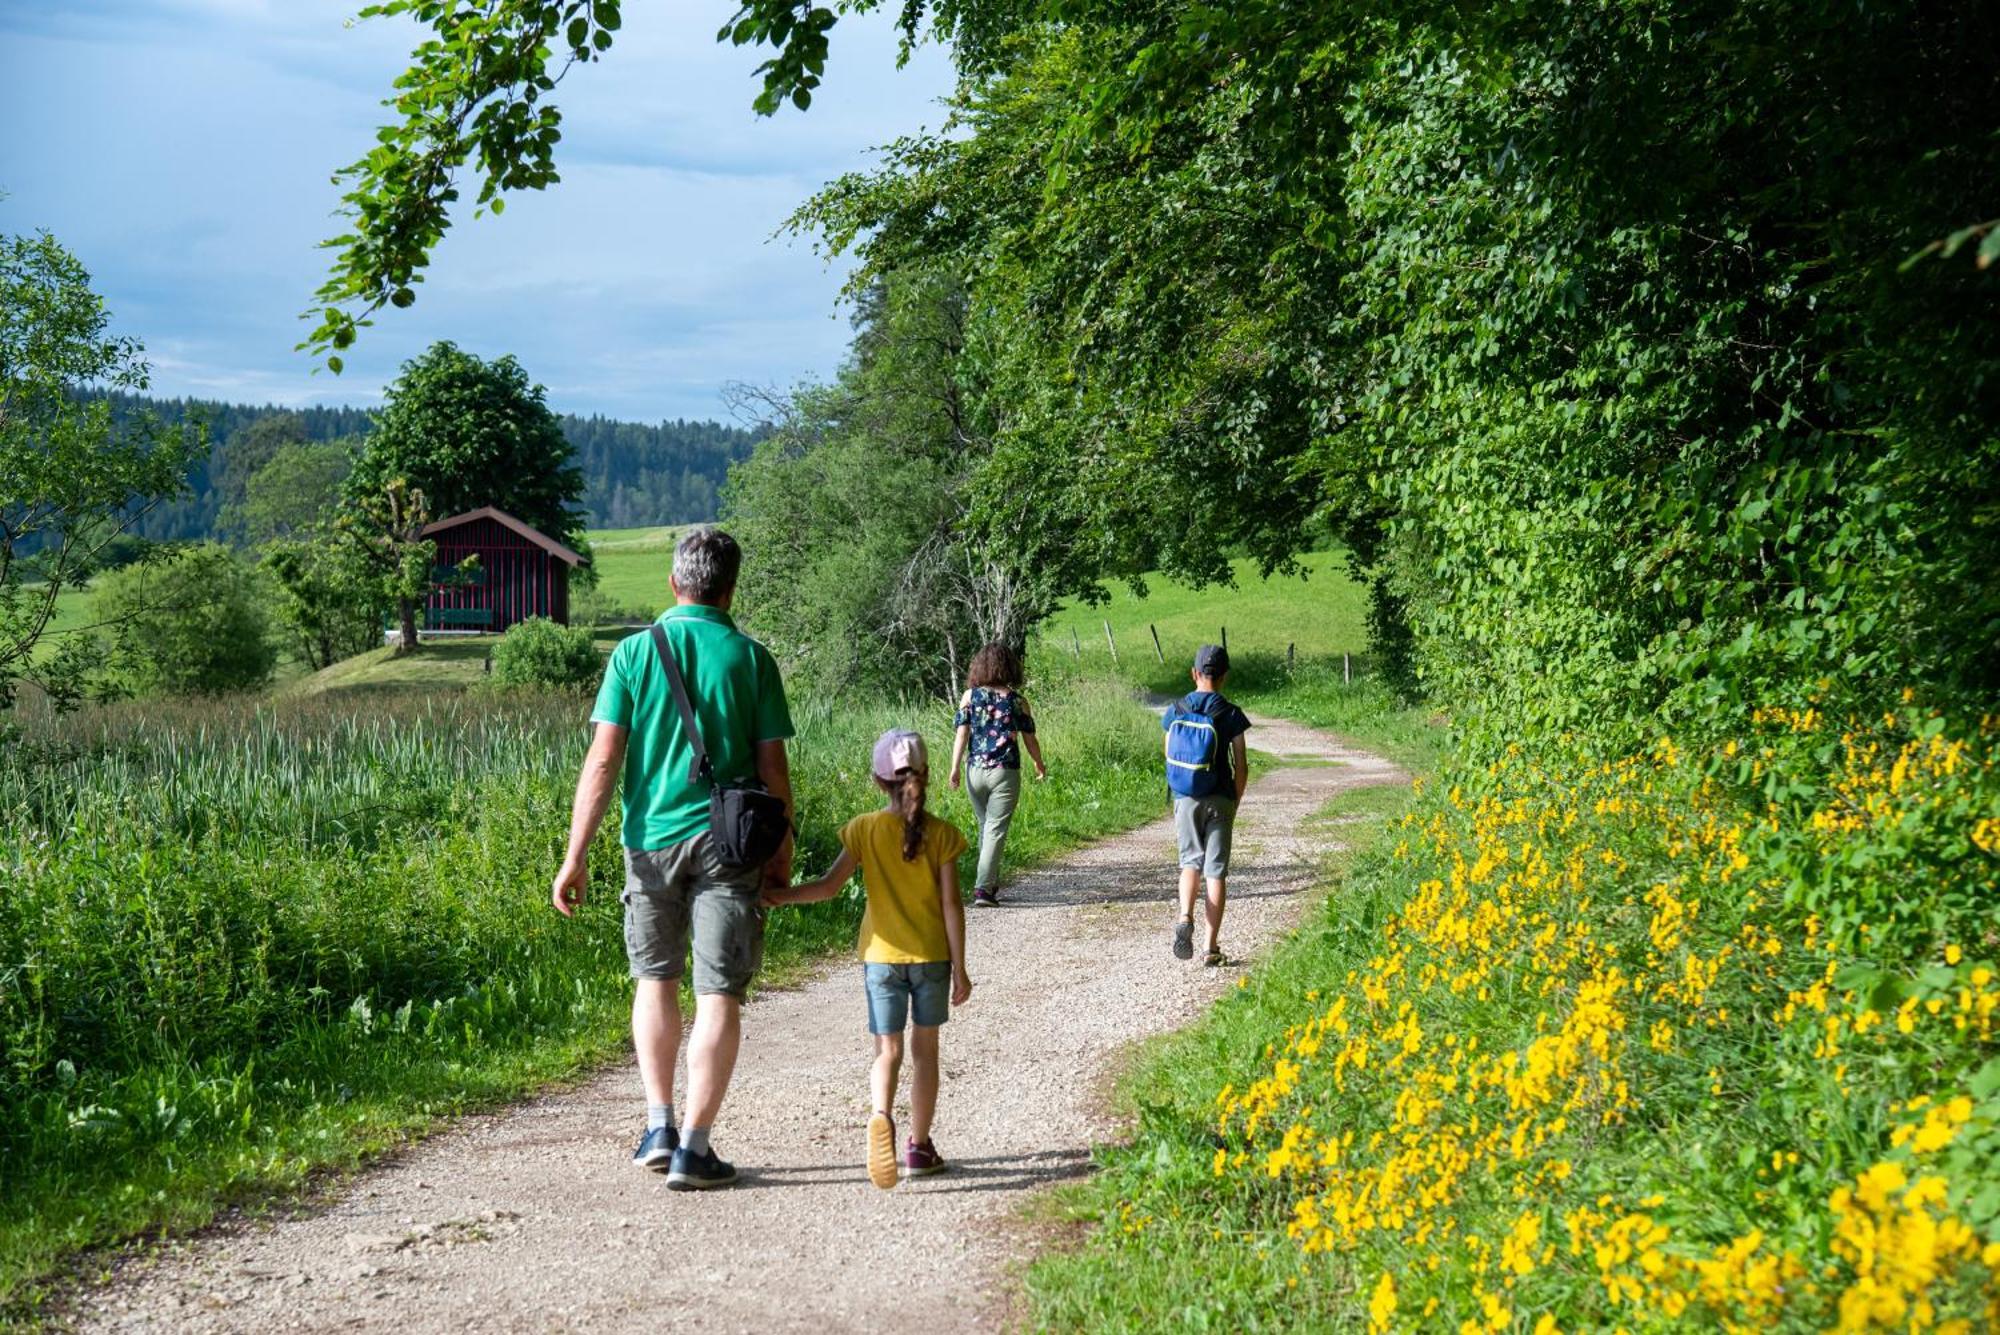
column 1207, row 771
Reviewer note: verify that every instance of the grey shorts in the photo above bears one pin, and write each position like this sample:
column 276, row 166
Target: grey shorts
column 1202, row 828
column 683, row 890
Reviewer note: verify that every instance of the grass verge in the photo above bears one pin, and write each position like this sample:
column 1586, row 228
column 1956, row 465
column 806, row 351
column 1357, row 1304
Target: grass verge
column 1704, row 1037
column 1152, row 1247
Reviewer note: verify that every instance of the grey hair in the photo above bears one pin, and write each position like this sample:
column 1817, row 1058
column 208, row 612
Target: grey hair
column 705, row 564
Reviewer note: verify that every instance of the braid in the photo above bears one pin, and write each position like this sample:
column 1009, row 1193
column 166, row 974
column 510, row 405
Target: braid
column 910, row 804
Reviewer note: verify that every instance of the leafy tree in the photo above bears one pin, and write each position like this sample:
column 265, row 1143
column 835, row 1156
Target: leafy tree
column 295, row 492
column 873, row 560
column 385, row 531
column 193, row 624
column 72, row 481
column 249, row 451
column 1588, row 326
column 466, row 432
column 329, row 601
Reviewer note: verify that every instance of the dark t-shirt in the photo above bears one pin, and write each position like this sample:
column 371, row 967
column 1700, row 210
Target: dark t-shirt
column 1230, row 723
column 993, row 719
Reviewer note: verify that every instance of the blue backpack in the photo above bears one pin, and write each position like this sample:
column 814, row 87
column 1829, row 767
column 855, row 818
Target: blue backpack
column 1194, row 752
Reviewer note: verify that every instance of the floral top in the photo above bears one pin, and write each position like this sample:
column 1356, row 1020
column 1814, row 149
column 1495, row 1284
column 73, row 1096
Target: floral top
column 994, row 718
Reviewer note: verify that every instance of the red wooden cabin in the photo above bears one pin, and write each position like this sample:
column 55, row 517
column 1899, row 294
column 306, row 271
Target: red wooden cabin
column 522, row 573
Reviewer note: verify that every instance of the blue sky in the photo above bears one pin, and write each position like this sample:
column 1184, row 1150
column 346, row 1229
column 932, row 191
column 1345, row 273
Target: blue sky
column 182, row 149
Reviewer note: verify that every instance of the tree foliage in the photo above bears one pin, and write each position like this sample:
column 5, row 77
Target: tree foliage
column 1585, row 325
column 874, row 560
column 192, row 624
column 385, row 531
column 467, row 432
column 72, row 479
column 1591, row 328
column 295, row 491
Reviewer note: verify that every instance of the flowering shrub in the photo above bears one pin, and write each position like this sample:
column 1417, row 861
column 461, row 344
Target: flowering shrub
column 1676, row 1039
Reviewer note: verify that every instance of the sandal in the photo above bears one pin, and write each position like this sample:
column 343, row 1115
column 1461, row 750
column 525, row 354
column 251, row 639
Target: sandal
column 1213, row 959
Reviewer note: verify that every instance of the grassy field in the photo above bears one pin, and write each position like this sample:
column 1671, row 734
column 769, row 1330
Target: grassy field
column 1322, row 613
column 632, row 566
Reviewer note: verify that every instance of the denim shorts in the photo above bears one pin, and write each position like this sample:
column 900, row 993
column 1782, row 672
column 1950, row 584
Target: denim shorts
column 899, row 993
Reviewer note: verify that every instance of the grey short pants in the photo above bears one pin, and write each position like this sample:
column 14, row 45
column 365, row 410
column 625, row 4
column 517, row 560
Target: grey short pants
column 683, row 890
column 1202, row 827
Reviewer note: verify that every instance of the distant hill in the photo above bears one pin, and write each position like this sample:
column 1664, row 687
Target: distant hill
column 635, row 474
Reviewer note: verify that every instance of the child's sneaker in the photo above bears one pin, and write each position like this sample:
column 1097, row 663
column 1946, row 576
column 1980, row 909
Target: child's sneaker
column 984, row 898
column 922, row 1160
column 882, row 1150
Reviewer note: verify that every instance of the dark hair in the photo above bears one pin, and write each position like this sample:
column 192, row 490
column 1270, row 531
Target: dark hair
column 995, row 665
column 705, row 564
column 906, row 796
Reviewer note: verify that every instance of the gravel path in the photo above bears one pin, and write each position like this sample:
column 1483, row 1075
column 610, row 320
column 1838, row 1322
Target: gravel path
column 533, row 1219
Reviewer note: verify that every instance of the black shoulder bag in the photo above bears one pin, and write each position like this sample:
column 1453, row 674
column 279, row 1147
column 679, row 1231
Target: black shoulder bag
column 747, row 822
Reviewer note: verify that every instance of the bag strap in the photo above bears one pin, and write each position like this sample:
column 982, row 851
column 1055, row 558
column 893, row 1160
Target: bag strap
column 700, row 770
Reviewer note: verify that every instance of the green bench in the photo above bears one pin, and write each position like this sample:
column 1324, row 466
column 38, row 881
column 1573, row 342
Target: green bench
column 459, row 618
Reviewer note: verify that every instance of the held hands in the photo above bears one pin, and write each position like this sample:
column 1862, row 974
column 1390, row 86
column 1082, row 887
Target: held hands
column 1041, row 772
column 567, row 892
column 961, row 987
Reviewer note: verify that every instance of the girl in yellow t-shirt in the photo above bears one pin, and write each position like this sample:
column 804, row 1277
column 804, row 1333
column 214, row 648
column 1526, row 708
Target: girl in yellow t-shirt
column 912, row 943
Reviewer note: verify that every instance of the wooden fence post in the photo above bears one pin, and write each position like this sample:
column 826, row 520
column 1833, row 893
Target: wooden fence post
column 1113, row 643
column 1157, row 651
column 1225, row 639
column 1291, row 658
column 1346, row 669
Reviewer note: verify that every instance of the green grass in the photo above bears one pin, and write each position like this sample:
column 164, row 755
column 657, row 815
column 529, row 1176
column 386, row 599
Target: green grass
column 632, row 567
column 244, row 942
column 1321, row 613
column 1150, row 1247
column 1298, row 645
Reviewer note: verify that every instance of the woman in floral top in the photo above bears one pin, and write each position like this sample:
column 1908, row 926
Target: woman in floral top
column 993, row 725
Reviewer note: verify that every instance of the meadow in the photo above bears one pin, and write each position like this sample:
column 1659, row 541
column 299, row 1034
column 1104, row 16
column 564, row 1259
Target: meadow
column 1315, row 615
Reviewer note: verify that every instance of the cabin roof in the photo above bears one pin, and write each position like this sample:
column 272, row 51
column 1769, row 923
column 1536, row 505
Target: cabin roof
column 501, row 517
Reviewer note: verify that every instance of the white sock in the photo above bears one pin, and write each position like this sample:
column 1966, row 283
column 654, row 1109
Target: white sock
column 694, row 1139
column 659, row 1115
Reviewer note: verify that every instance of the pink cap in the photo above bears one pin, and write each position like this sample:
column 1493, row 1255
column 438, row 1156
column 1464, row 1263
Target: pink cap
column 897, row 751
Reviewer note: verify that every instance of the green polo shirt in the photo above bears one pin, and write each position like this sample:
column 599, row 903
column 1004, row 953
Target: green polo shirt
column 738, row 697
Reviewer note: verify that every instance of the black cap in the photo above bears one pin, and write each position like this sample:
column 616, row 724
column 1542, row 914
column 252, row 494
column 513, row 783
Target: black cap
column 1211, row 661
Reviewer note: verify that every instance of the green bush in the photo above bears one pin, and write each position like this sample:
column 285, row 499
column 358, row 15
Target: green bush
column 539, row 652
column 191, row 624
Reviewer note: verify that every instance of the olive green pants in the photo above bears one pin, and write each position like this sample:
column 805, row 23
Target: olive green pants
column 994, row 793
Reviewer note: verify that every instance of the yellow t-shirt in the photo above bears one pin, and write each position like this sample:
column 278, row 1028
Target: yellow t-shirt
column 904, row 921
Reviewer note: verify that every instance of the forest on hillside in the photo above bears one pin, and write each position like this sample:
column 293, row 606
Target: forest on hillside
column 635, row 473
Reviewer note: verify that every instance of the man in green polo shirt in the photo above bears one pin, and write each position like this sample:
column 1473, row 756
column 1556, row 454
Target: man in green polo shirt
column 677, row 891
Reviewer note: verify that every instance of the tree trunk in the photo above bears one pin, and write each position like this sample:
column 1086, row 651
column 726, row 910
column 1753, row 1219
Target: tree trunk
column 407, row 609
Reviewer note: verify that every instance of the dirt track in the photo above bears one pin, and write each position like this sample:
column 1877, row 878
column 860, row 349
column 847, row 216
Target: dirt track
column 533, row 1219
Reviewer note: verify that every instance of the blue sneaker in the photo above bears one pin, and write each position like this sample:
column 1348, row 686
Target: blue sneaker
column 699, row 1172
column 656, row 1148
